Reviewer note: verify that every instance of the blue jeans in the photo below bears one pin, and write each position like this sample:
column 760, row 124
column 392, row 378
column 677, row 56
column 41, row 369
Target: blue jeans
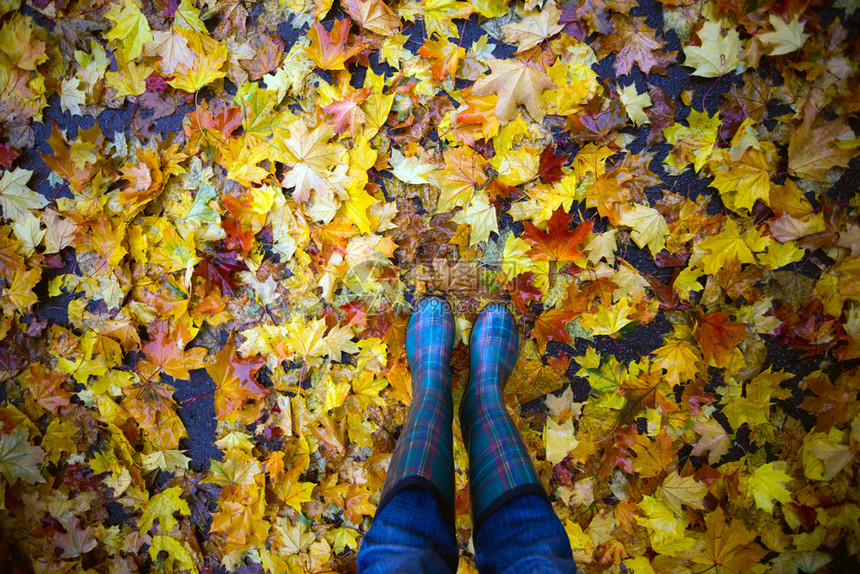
column 410, row 535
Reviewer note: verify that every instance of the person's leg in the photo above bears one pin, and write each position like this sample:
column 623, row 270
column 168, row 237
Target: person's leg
column 502, row 476
column 409, row 535
column 423, row 461
column 523, row 535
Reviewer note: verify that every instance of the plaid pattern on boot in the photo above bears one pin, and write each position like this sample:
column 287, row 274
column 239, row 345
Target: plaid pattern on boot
column 424, row 455
column 500, row 466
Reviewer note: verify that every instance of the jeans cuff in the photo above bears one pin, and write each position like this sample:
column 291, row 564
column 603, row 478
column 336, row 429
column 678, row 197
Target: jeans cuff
column 425, row 484
column 516, row 492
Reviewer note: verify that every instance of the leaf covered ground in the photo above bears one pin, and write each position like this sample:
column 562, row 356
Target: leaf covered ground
column 216, row 216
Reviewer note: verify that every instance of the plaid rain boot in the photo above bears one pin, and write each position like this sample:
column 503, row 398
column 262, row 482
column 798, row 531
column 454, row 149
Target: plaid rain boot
column 424, row 455
column 500, row 466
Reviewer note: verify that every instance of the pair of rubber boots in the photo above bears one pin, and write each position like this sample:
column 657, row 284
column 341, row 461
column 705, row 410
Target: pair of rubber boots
column 500, row 466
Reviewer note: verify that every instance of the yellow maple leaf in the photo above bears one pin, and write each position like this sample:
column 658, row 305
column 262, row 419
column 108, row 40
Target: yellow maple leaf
column 310, row 156
column 19, row 296
column 130, row 29
column 677, row 490
column 439, row 15
column 480, row 216
column 559, row 440
column 726, row 246
column 16, row 199
column 206, row 69
column 129, row 79
column 765, row 485
column 161, row 507
column 787, row 37
column 694, row 142
column 680, row 359
column 718, row 54
column 175, row 551
column 649, row 227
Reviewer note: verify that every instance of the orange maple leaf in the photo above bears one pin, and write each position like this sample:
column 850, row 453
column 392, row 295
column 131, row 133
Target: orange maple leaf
column 550, row 326
column 165, row 351
column 328, row 50
column 718, row 334
column 558, row 243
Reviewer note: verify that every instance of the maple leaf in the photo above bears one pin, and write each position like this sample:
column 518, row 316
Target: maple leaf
column 347, row 113
column 237, row 469
column 464, row 171
column 172, row 48
column 728, row 245
column 785, row 38
column 20, row 42
column 373, row 15
column 719, row 335
column 549, row 325
column 532, row 377
column 728, row 547
column 129, row 79
column 714, row 439
column 633, row 41
column 558, row 242
column 19, row 295
column 717, row 55
column 649, row 227
column 746, row 180
column 165, row 351
column 559, row 440
column 174, row 549
column 480, row 216
column 653, row 457
column 550, row 166
column 695, row 143
column 812, row 147
column 310, row 156
column 161, row 507
column 328, row 50
column 635, row 104
column 236, row 386
column 445, row 55
column 677, row 490
column 76, row 541
column 16, row 199
column 19, row 459
column 130, row 29
column 680, row 359
column 598, row 125
column 515, row 82
column 765, row 486
column 439, row 16
column 535, row 27
column 71, row 97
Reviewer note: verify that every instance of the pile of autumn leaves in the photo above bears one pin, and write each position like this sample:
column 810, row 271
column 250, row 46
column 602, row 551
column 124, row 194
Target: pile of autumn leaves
column 259, row 246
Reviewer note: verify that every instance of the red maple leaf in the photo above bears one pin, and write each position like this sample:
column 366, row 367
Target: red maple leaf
column 522, row 291
column 551, row 164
